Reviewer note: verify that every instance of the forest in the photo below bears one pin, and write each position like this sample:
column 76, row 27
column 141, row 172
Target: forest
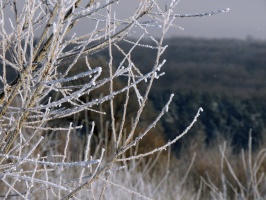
column 226, row 77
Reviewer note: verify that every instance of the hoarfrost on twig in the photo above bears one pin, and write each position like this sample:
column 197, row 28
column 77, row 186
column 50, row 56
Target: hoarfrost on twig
column 50, row 90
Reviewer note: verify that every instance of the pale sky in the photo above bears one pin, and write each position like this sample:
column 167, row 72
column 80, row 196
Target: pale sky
column 245, row 18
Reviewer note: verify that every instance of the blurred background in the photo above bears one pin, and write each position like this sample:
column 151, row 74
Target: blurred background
column 217, row 62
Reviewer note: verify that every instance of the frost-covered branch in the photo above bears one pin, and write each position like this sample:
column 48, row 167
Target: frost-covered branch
column 65, row 112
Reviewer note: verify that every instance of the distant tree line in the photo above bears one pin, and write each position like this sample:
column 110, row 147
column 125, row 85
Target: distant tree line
column 224, row 76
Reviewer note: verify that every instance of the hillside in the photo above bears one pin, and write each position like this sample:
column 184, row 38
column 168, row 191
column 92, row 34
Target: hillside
column 225, row 77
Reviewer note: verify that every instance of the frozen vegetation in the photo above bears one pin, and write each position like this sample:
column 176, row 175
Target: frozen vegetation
column 50, row 147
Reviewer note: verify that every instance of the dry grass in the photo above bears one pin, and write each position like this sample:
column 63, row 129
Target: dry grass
column 218, row 173
column 202, row 172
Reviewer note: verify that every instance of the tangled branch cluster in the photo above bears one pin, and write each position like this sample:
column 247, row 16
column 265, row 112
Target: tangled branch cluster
column 36, row 46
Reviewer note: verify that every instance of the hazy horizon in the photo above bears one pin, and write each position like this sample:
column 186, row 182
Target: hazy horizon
column 245, row 19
